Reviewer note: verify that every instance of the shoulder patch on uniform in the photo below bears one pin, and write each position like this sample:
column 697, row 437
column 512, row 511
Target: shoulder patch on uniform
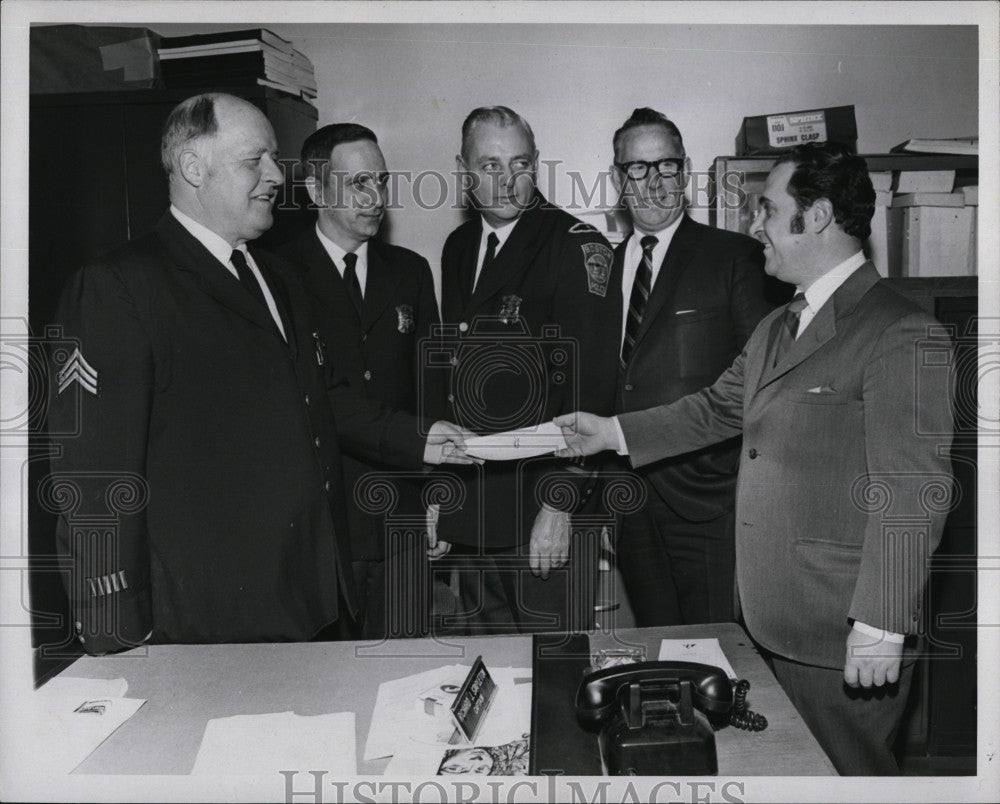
column 583, row 228
column 597, row 260
column 77, row 369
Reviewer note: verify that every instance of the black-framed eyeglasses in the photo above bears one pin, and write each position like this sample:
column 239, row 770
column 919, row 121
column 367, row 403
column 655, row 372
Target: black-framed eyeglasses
column 668, row 167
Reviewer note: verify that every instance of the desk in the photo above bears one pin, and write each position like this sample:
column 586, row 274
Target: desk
column 187, row 685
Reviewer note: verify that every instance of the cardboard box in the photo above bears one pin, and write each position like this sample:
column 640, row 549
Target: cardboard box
column 775, row 133
column 939, row 241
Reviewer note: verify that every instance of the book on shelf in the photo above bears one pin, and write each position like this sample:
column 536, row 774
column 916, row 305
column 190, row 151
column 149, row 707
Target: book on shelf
column 228, row 37
column 963, row 146
column 248, row 65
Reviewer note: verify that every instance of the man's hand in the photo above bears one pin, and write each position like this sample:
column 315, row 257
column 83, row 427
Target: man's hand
column 446, row 444
column 435, row 548
column 871, row 661
column 549, row 547
column 586, row 434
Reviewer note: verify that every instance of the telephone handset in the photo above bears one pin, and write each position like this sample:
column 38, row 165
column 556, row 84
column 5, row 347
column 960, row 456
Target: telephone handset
column 652, row 715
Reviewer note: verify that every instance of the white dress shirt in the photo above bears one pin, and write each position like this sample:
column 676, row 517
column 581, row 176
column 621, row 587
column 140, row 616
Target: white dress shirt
column 337, row 255
column 223, row 252
column 633, row 258
column 502, row 234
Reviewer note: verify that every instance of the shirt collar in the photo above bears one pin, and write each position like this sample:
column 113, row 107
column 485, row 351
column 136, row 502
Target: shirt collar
column 663, row 237
column 337, row 253
column 819, row 292
column 502, row 233
column 215, row 243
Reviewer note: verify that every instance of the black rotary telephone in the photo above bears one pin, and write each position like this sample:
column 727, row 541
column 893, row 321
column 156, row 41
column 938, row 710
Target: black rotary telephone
column 658, row 717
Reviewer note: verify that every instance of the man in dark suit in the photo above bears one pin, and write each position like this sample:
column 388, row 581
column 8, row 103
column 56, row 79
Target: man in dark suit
column 694, row 294
column 532, row 321
column 207, row 446
column 376, row 302
column 844, row 482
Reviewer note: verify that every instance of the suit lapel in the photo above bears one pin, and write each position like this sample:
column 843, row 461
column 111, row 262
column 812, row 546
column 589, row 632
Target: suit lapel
column 679, row 254
column 822, row 328
column 379, row 287
column 276, row 283
column 512, row 259
column 188, row 254
column 466, row 268
column 324, row 276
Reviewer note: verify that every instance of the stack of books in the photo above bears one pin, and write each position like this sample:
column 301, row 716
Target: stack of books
column 236, row 58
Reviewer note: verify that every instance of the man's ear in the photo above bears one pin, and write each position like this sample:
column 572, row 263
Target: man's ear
column 191, row 166
column 819, row 215
column 315, row 190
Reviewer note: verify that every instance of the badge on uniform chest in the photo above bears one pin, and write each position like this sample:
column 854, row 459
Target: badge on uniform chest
column 510, row 309
column 404, row 318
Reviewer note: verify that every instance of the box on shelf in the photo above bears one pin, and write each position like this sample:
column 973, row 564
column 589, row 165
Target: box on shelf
column 929, row 200
column 885, row 247
column 925, row 181
column 775, row 133
column 938, row 241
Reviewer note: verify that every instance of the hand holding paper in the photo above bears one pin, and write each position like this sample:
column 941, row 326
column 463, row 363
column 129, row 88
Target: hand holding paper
column 586, row 434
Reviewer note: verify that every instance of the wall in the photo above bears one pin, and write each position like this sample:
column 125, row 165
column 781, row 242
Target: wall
column 414, row 84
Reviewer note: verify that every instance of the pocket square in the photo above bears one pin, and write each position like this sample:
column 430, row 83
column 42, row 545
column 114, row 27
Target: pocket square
column 685, row 312
column 821, row 389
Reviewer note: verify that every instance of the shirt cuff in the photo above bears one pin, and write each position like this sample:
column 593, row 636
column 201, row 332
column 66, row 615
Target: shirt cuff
column 622, row 446
column 878, row 633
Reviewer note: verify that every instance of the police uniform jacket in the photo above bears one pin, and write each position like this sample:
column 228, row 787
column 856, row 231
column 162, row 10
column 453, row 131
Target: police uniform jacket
column 537, row 337
column 707, row 299
column 379, row 352
column 202, row 497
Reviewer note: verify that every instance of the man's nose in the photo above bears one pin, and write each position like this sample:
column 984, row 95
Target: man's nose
column 272, row 172
column 756, row 223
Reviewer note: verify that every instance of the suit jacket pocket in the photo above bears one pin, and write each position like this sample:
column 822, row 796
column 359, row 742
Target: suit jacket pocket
column 688, row 317
column 821, row 556
column 817, row 398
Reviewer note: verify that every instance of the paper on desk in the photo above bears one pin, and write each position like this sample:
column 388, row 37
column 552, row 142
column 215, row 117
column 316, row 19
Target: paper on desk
column 415, row 710
column 71, row 718
column 504, row 731
column 703, row 651
column 524, row 443
column 399, row 709
column 254, row 745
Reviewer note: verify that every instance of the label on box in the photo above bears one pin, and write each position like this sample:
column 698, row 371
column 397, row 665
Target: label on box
column 787, row 130
column 473, row 700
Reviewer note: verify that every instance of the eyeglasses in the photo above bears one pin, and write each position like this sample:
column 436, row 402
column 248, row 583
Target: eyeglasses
column 668, row 167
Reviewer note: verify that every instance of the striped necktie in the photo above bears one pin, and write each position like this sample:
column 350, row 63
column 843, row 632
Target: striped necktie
column 640, row 295
column 789, row 325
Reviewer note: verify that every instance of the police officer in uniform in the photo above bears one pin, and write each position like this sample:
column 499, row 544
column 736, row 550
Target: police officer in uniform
column 376, row 302
column 207, row 450
column 531, row 319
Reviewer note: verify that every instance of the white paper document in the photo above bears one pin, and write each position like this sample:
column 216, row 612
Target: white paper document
column 702, row 651
column 71, row 718
column 527, row 442
column 501, row 746
column 255, row 745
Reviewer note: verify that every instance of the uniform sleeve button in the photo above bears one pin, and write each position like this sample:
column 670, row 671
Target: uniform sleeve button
column 367, row 375
column 316, row 442
column 307, row 399
column 628, row 386
column 463, row 327
column 326, row 486
column 752, row 453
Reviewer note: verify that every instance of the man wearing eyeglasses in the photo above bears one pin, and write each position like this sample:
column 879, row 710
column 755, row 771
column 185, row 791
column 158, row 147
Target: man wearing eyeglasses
column 692, row 295
column 374, row 302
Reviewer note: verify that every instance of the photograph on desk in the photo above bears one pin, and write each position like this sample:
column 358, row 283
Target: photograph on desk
column 417, row 390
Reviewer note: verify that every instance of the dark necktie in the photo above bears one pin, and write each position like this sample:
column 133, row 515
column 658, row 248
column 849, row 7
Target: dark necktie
column 491, row 252
column 351, row 281
column 789, row 325
column 247, row 279
column 640, row 295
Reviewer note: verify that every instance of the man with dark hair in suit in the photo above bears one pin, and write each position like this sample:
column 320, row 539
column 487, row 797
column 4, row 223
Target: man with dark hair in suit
column 207, row 417
column 693, row 294
column 376, row 302
column 534, row 316
column 845, row 435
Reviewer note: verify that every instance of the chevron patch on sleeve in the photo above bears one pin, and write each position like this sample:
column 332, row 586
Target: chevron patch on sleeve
column 77, row 369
